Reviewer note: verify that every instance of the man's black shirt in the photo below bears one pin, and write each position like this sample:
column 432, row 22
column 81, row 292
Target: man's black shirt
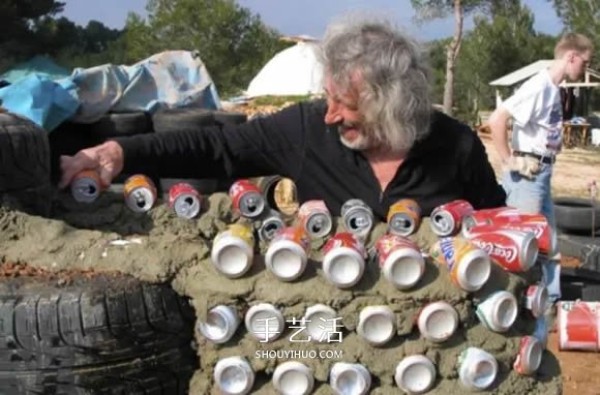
column 449, row 163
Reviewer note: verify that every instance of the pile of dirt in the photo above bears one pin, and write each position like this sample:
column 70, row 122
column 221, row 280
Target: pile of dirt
column 159, row 247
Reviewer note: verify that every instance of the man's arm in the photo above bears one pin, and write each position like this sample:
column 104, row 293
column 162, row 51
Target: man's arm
column 498, row 122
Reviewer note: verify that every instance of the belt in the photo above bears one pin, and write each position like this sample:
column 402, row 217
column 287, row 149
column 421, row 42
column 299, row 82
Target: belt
column 548, row 160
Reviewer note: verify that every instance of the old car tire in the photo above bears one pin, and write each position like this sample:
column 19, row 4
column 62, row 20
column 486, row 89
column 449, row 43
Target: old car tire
column 166, row 374
column 574, row 215
column 174, row 119
column 121, row 124
column 98, row 320
column 24, row 165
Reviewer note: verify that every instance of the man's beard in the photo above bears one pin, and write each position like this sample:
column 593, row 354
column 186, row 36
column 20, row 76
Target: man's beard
column 360, row 142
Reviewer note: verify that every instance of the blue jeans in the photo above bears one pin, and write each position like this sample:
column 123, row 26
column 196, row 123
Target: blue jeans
column 535, row 196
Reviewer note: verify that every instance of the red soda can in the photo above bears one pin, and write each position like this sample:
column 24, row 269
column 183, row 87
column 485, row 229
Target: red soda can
column 529, row 357
column 578, row 324
column 400, row 260
column 404, row 217
column 140, row 193
column 86, row 186
column 185, row 200
column 315, row 218
column 247, row 199
column 344, row 259
column 446, row 220
column 516, row 251
column 485, row 216
column 535, row 223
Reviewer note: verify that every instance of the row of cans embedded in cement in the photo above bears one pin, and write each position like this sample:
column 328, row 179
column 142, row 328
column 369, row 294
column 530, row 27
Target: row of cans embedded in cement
column 414, row 374
column 578, row 324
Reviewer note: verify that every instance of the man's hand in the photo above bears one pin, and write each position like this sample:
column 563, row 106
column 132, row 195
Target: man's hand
column 526, row 166
column 106, row 159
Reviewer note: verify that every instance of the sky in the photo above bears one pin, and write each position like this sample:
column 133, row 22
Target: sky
column 308, row 17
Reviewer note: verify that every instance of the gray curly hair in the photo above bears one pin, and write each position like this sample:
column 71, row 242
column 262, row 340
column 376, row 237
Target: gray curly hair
column 394, row 98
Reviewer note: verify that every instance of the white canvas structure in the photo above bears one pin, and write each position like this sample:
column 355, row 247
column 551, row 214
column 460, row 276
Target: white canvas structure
column 293, row 71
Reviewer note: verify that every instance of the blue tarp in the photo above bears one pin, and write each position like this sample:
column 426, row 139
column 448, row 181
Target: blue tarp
column 166, row 80
column 41, row 65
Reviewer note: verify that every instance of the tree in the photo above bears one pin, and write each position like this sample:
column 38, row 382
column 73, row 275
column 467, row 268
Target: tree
column 430, row 9
column 232, row 42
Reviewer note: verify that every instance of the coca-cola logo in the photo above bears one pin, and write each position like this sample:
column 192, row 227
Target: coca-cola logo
column 506, row 253
column 537, row 230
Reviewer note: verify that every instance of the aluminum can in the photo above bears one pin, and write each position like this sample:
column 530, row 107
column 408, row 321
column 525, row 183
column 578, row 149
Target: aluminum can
column 578, row 325
column 499, row 311
column 537, row 299
column 265, row 322
column 485, row 216
column 287, row 253
column 400, row 260
column 293, row 377
column 247, row 199
column 357, row 217
column 86, row 186
column 185, row 200
column 514, row 250
column 270, row 225
column 315, row 218
column 404, row 217
column 376, row 324
column 469, row 265
column 140, row 193
column 232, row 251
column 529, row 357
column 320, row 322
column 415, row 374
column 220, row 325
column 534, row 223
column 477, row 368
column 349, row 378
column 234, row 376
column 446, row 220
column 344, row 259
column 437, row 321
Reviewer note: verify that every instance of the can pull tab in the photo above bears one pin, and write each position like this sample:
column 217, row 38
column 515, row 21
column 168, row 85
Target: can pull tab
column 140, row 198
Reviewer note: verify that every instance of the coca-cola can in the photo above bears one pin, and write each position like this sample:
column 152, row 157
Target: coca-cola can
column 537, row 299
column 357, row 217
column 469, row 265
column 400, row 260
column 270, row 225
column 185, row 200
column 578, row 325
column 529, row 357
column 404, row 217
column 344, row 259
column 485, row 216
column 446, row 220
column 86, row 186
column 247, row 199
column 140, row 193
column 514, row 250
column 534, row 223
column 315, row 218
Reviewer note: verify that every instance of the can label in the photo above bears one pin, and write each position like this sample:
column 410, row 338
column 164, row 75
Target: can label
column 578, row 325
column 243, row 232
column 404, row 217
column 450, row 251
column 357, row 217
column 315, row 217
column 525, row 363
column 446, row 220
column 534, row 223
column 184, row 199
column 507, row 248
column 295, row 234
column 86, row 186
column 140, row 193
column 247, row 198
column 486, row 216
column 345, row 239
column 390, row 243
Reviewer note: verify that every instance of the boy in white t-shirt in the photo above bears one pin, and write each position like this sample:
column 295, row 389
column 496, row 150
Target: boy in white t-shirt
column 536, row 114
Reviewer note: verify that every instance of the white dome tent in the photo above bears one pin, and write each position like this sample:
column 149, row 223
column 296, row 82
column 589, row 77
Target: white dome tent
column 293, row 71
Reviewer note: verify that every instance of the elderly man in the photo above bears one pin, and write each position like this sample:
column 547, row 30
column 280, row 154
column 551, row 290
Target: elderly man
column 375, row 137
